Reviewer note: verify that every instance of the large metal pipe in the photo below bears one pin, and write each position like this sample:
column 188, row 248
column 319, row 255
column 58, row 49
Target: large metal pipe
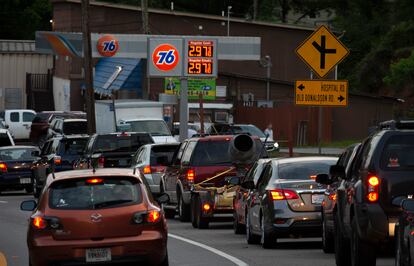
column 242, row 149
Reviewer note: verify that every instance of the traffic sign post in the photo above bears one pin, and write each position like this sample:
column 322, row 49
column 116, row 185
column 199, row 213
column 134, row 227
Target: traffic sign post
column 322, row 51
column 331, row 93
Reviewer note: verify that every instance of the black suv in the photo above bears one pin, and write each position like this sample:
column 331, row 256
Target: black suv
column 112, row 150
column 60, row 153
column 382, row 170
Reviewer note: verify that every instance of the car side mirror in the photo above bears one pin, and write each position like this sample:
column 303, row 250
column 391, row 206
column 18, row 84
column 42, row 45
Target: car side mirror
column 163, row 198
column 235, row 181
column 337, row 171
column 408, row 205
column 323, row 179
column 28, row 205
column 248, row 184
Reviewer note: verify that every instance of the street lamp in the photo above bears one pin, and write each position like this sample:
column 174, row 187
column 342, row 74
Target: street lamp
column 228, row 19
column 267, row 63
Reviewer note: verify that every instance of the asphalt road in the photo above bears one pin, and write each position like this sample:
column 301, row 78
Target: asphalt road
column 186, row 246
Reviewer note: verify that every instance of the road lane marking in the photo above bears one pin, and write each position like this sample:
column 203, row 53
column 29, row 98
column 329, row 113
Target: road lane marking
column 211, row 249
column 3, row 261
column 3, row 201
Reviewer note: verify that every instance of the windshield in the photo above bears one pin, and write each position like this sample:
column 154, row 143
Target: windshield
column 398, row 153
column 72, row 146
column 252, row 130
column 304, row 170
column 162, row 155
column 122, row 142
column 154, row 127
column 78, row 127
column 107, row 193
column 17, row 154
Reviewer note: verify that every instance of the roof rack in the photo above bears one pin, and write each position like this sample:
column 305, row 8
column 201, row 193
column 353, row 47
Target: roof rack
column 397, row 124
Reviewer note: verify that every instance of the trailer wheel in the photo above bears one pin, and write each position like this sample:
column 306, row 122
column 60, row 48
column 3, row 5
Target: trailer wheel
column 201, row 222
column 194, row 211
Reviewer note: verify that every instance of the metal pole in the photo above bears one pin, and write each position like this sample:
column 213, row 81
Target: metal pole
column 145, row 30
column 268, row 68
column 87, row 65
column 184, row 109
column 228, row 20
column 201, row 114
column 320, row 119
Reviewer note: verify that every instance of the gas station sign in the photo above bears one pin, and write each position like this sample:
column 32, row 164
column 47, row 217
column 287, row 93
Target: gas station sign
column 165, row 57
column 200, row 58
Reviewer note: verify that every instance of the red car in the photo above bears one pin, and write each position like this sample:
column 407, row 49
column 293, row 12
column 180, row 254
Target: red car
column 86, row 217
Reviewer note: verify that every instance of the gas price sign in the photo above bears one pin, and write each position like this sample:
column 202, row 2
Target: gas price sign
column 200, row 58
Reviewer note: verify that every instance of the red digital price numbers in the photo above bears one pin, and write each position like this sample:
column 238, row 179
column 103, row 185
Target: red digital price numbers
column 200, row 66
column 200, row 49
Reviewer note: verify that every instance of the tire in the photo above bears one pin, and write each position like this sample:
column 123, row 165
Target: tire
column 184, row 210
column 238, row 228
column 194, row 212
column 362, row 253
column 202, row 222
column 342, row 246
column 36, row 190
column 266, row 240
column 165, row 261
column 328, row 241
column 401, row 258
column 250, row 237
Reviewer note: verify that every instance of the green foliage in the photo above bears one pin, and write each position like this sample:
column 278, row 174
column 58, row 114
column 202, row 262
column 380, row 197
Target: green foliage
column 402, row 72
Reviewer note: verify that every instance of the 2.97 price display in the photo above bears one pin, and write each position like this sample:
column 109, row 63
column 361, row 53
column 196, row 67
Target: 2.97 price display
column 200, row 66
column 200, row 49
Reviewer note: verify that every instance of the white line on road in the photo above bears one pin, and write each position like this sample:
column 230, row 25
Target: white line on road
column 2, row 201
column 211, row 249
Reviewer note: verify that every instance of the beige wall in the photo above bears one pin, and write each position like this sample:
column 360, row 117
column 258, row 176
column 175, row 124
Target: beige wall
column 13, row 69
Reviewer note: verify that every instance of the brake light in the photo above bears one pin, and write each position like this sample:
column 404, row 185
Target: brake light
column 282, row 194
column 206, row 207
column 147, row 169
column 39, row 222
column 332, row 197
column 101, row 162
column 373, row 188
column 190, row 175
column 3, row 167
column 94, row 181
column 153, row 216
column 57, row 160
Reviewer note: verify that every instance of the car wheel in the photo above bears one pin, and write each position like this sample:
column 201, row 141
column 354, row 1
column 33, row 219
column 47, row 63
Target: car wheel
column 342, row 246
column 165, row 262
column 184, row 210
column 250, row 237
column 266, row 240
column 238, row 228
column 193, row 212
column 202, row 222
column 362, row 254
column 401, row 258
column 328, row 241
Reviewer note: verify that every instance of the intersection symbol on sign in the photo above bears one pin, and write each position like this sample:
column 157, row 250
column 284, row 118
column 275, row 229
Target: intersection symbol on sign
column 322, row 51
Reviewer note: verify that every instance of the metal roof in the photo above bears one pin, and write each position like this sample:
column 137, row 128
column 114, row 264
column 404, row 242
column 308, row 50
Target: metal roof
column 17, row 46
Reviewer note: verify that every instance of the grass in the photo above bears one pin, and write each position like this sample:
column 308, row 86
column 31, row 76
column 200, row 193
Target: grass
column 339, row 144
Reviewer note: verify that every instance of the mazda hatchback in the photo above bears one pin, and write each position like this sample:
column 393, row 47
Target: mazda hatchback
column 103, row 216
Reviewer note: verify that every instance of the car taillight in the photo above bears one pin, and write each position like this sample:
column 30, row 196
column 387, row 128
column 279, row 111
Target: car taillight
column 101, row 162
column 150, row 217
column 147, row 169
column 373, row 188
column 283, row 194
column 332, row 197
column 94, row 181
column 43, row 222
column 190, row 175
column 57, row 160
column 3, row 167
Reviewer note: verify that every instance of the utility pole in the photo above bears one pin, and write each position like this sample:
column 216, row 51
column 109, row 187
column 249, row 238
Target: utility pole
column 87, row 66
column 145, row 30
column 255, row 9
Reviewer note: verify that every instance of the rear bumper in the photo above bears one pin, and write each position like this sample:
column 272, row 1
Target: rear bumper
column 304, row 224
column 13, row 180
column 149, row 247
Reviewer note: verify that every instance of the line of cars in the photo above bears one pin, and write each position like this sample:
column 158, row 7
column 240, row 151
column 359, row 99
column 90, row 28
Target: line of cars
column 368, row 206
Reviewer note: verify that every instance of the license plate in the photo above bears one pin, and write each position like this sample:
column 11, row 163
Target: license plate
column 317, row 198
column 25, row 181
column 98, row 255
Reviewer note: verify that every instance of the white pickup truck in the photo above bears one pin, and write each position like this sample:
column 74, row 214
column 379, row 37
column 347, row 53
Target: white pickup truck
column 18, row 121
column 133, row 115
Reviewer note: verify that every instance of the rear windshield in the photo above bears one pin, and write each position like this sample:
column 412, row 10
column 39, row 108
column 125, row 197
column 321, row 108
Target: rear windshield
column 154, row 127
column 209, row 153
column 121, row 142
column 17, row 154
column 4, row 140
column 41, row 118
column 72, row 146
column 398, row 153
column 162, row 155
column 79, row 127
column 304, row 170
column 107, row 193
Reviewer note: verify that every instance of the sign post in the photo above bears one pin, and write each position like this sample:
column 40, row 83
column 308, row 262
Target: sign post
column 321, row 51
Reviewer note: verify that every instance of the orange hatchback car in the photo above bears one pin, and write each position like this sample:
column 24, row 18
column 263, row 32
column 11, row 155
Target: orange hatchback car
column 105, row 216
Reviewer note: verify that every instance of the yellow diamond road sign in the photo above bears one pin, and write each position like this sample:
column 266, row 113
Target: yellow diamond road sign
column 321, row 92
column 322, row 51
